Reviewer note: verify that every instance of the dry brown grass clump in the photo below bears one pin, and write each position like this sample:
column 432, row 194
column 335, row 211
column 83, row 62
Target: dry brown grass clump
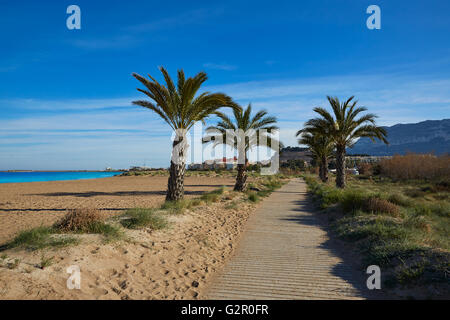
column 417, row 166
column 381, row 206
column 79, row 219
column 365, row 168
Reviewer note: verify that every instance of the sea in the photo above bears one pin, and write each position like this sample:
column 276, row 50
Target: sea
column 33, row 176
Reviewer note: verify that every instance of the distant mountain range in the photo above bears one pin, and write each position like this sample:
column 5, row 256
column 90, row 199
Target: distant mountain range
column 423, row 137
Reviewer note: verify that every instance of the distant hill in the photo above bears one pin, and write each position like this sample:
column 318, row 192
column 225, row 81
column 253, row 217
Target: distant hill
column 295, row 153
column 423, row 137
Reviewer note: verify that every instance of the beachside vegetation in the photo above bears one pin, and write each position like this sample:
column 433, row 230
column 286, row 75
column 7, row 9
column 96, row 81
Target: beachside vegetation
column 143, row 218
column 87, row 221
column 427, row 167
column 405, row 234
column 39, row 238
column 46, row 261
column 79, row 220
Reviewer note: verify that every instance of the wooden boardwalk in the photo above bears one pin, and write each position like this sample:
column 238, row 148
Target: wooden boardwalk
column 285, row 253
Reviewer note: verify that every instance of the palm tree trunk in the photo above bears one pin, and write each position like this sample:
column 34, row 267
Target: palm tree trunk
column 340, row 166
column 324, row 169
column 241, row 179
column 321, row 171
column 175, row 185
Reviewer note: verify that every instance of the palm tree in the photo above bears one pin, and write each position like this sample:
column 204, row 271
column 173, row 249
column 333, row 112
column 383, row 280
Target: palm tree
column 181, row 108
column 344, row 129
column 321, row 147
column 240, row 135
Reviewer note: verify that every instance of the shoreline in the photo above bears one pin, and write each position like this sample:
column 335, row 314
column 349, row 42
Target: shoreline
column 53, row 176
column 18, row 171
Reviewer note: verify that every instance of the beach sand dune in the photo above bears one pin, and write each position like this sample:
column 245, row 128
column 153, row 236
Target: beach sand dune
column 173, row 263
column 28, row 205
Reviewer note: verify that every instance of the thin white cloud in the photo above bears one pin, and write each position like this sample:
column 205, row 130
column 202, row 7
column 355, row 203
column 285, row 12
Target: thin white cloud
column 196, row 16
column 133, row 35
column 220, row 66
column 67, row 104
column 114, row 42
column 124, row 136
column 8, row 68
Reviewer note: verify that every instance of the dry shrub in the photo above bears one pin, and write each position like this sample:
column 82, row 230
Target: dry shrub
column 365, row 168
column 314, row 170
column 381, row 206
column 79, row 219
column 417, row 166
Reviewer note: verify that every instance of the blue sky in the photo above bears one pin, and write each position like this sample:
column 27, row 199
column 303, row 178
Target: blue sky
column 66, row 95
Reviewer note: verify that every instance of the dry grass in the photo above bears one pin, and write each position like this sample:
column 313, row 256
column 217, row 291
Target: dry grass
column 393, row 224
column 416, row 166
column 376, row 205
column 79, row 220
column 365, row 168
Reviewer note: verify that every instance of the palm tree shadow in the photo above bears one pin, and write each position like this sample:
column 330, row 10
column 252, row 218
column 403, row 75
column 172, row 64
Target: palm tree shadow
column 118, row 193
column 349, row 268
column 54, row 209
column 208, row 185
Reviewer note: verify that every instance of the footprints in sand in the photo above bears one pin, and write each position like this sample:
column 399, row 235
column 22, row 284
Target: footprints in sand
column 175, row 264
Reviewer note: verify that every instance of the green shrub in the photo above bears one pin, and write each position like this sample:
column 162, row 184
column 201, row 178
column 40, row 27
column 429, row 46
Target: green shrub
column 176, row 207
column 38, row 238
column 399, row 199
column 218, row 191
column 253, row 197
column 196, row 202
column 46, row 262
column 210, row 197
column 388, row 252
column 427, row 209
column 440, row 209
column 232, row 205
column 421, row 209
column 417, row 221
column 414, row 193
column 272, row 184
column 352, row 200
column 408, row 274
column 110, row 232
column 143, row 218
column 264, row 193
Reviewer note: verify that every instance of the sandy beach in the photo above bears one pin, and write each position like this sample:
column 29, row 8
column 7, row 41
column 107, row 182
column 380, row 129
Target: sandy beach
column 27, row 205
column 174, row 263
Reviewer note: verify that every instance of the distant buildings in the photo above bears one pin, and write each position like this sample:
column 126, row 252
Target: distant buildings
column 289, row 157
column 224, row 163
column 365, row 159
column 139, row 168
column 295, row 153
